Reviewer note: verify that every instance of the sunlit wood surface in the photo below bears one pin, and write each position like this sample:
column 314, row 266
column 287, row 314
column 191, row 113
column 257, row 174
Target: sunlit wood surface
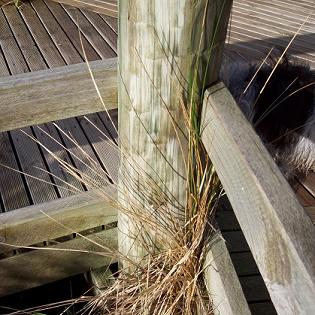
column 44, row 34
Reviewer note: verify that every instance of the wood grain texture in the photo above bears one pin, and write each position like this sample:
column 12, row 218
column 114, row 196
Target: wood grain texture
column 73, row 31
column 43, row 96
column 23, row 37
column 54, row 155
column 4, row 71
column 278, row 231
column 107, row 7
column 259, row 25
column 103, row 28
column 222, row 281
column 154, row 70
column 30, row 225
column 10, row 48
column 41, row 37
column 28, row 270
column 84, row 157
column 56, row 33
column 98, row 42
column 104, row 145
column 112, row 22
column 12, row 189
column 39, row 182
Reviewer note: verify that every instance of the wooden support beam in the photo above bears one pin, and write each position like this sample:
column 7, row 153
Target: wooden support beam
column 162, row 45
column 107, row 7
column 38, row 267
column 27, row 226
column 222, row 281
column 279, row 233
column 48, row 95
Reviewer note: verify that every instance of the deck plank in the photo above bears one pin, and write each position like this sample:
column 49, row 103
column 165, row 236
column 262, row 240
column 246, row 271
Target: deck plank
column 309, row 184
column 84, row 158
column 103, row 144
column 60, row 39
column 276, row 9
column 100, row 45
column 4, row 71
column 41, row 37
column 38, row 267
column 32, row 164
column 103, row 28
column 27, row 45
column 110, row 120
column 111, row 21
column 67, row 184
column 72, row 31
column 261, row 24
column 10, row 48
column 270, row 36
column 12, row 188
column 244, row 264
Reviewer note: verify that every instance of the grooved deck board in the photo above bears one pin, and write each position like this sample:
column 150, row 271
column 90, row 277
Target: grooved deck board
column 10, row 48
column 244, row 264
column 67, row 184
column 259, row 25
column 106, row 149
column 102, row 48
column 12, row 188
column 254, row 288
column 4, row 71
column 110, row 120
column 103, row 28
column 25, row 41
column 73, row 32
column 60, row 39
column 262, row 308
column 113, row 22
column 32, row 164
column 41, row 37
column 84, row 158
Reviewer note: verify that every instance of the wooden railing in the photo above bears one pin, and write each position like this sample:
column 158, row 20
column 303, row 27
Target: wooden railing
column 52, row 222
column 278, row 231
column 48, row 95
column 280, row 234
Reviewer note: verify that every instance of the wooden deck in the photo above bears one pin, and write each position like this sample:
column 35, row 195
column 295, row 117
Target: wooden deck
column 258, row 25
column 44, row 35
column 41, row 35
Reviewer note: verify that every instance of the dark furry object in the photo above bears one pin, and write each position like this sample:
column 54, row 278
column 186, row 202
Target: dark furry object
column 283, row 115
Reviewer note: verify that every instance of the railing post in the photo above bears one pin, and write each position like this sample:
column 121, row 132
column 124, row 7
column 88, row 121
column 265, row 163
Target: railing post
column 160, row 44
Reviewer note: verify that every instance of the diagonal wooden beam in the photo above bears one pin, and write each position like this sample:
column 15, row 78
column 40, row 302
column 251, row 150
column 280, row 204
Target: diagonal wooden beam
column 277, row 229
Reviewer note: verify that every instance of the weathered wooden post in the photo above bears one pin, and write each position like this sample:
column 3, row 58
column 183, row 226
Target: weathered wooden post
column 161, row 45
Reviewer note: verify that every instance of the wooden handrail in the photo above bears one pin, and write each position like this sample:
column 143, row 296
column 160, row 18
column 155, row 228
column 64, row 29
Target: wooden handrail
column 56, row 218
column 279, row 233
column 41, row 96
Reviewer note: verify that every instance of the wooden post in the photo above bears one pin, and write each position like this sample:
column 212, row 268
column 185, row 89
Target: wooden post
column 161, row 42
